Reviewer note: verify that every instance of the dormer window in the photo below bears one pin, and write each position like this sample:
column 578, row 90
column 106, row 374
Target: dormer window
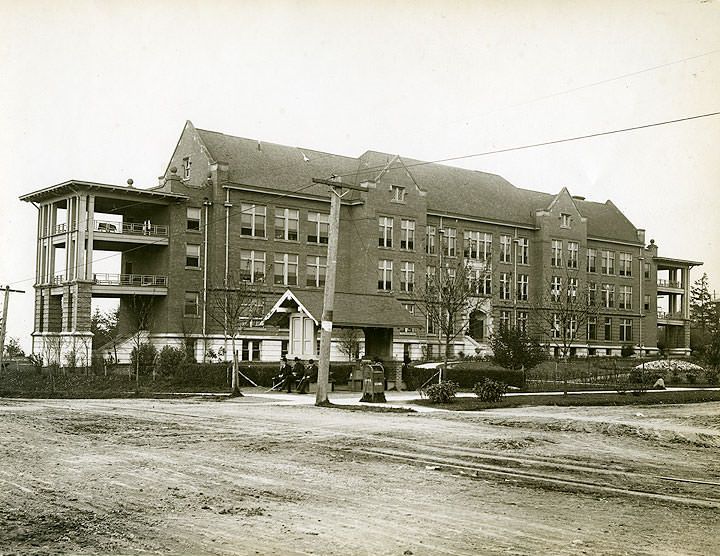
column 186, row 168
column 398, row 193
column 565, row 220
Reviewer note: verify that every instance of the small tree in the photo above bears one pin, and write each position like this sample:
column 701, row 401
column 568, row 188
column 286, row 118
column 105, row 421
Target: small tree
column 449, row 295
column 563, row 309
column 703, row 315
column 349, row 342
column 234, row 306
column 13, row 348
column 141, row 309
column 513, row 349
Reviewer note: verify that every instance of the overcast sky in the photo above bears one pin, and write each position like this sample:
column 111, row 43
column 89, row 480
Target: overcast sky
column 100, row 91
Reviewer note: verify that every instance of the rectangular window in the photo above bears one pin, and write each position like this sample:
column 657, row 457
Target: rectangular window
column 626, row 334
column 555, row 329
column 608, row 261
column 250, row 350
column 523, row 250
column 555, row 287
column 318, row 224
column 407, row 276
column 608, row 328
column 505, row 248
column 592, row 293
column 592, row 328
column 480, row 282
column 186, row 167
column 430, row 234
column 573, row 250
column 252, row 265
column 385, row 231
column 315, row 271
column 287, row 222
column 193, row 219
column 572, row 288
column 625, row 268
column 407, row 234
column 504, row 319
column 608, row 296
column 192, row 255
column 450, row 241
column 505, row 286
column 522, row 320
column 192, row 303
column 429, row 275
column 385, row 275
column 625, row 301
column 556, row 253
column 646, row 270
column 252, row 220
column 478, row 246
column 591, row 260
column 646, row 303
column 286, row 269
column 522, row 287
column 398, row 193
column 565, row 220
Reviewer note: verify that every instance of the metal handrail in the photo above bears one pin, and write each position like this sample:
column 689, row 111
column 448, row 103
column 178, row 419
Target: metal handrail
column 133, row 228
column 130, row 280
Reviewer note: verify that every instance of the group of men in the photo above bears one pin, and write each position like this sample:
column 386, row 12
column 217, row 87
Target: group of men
column 297, row 372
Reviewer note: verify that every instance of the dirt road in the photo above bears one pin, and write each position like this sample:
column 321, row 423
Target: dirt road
column 251, row 476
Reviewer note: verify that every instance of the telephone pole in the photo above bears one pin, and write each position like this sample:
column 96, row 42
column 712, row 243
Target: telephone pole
column 3, row 324
column 326, row 324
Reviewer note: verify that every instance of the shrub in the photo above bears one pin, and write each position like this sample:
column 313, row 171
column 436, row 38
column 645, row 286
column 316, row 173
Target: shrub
column 464, row 374
column 169, row 359
column 711, row 375
column 444, row 392
column 691, row 378
column 148, row 352
column 489, row 390
column 628, row 350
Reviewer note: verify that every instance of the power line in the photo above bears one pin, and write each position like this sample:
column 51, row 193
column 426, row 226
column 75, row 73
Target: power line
column 542, row 144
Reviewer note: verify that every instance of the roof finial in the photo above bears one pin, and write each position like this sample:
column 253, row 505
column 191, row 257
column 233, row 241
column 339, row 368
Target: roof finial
column 130, row 182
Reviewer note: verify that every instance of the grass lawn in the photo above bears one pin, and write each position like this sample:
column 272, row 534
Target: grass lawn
column 647, row 398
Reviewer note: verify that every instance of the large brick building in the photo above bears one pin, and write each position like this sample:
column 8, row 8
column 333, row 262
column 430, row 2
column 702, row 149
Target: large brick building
column 227, row 204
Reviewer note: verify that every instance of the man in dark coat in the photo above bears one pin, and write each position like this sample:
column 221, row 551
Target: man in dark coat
column 310, row 375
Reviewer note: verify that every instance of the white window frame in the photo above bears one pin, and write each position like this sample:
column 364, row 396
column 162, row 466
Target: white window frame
column 286, row 217
column 505, row 286
column 573, row 254
column 193, row 219
column 257, row 215
column 522, row 287
column 505, row 248
column 407, row 276
column 385, row 271
column 407, row 234
column 523, row 251
column 556, row 253
column 252, row 265
column 192, row 251
column 430, row 240
column 288, row 261
column 315, row 271
column 450, row 243
column 385, row 232
column 318, row 222
column 625, row 265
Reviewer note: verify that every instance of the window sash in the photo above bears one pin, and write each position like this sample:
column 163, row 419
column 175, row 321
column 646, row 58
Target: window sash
column 385, row 231
column 287, row 223
column 286, row 269
column 252, row 265
column 252, row 220
column 319, row 225
column 192, row 255
column 407, row 235
column 385, row 268
column 316, row 271
column 505, row 249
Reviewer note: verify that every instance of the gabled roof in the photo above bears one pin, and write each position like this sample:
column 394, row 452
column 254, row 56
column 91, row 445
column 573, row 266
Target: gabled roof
column 450, row 190
column 268, row 165
column 350, row 309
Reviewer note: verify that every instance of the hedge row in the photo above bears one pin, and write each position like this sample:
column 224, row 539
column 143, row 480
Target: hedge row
column 465, row 374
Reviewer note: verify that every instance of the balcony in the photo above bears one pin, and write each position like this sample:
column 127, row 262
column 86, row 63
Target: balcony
column 130, row 228
column 669, row 284
column 113, row 236
column 670, row 316
column 110, row 285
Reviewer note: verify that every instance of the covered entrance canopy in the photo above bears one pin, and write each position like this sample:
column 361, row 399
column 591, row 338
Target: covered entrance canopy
column 376, row 315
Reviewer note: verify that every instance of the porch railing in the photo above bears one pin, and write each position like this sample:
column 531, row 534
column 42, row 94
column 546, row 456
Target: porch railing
column 670, row 316
column 132, row 228
column 130, row 280
column 669, row 283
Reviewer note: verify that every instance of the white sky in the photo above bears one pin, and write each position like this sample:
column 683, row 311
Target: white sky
column 100, row 91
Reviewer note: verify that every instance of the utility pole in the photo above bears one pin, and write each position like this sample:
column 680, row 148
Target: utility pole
column 3, row 325
column 326, row 324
